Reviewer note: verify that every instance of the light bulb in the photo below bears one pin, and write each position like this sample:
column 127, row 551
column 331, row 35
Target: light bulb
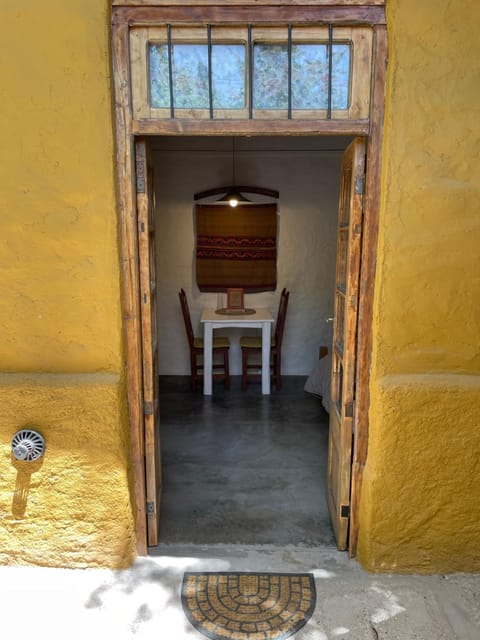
column 233, row 202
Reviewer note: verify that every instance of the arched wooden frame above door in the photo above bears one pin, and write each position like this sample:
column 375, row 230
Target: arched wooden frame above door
column 126, row 14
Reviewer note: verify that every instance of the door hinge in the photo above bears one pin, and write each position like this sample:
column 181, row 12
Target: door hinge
column 349, row 409
column 140, row 170
column 360, row 185
column 147, row 408
column 345, row 510
column 150, row 507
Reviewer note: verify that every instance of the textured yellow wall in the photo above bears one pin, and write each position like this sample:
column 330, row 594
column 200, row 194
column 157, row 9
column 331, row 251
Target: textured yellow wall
column 420, row 505
column 71, row 507
column 59, row 304
column 60, row 291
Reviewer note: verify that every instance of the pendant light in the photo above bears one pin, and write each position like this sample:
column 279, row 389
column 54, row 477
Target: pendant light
column 233, row 197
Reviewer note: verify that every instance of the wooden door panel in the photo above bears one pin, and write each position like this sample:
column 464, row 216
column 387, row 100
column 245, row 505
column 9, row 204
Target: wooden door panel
column 333, row 459
column 148, row 305
column 344, row 338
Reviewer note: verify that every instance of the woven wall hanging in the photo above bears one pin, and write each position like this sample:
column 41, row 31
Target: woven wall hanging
column 236, row 247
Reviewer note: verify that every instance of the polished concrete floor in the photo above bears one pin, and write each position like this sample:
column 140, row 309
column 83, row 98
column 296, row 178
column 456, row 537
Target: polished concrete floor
column 242, row 468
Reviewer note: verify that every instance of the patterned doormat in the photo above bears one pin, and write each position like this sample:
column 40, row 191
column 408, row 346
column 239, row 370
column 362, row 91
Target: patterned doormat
column 248, row 606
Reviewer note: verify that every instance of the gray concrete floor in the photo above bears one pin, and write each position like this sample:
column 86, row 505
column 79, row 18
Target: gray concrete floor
column 242, row 468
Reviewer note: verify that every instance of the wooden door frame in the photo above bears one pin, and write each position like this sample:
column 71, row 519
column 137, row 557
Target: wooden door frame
column 126, row 128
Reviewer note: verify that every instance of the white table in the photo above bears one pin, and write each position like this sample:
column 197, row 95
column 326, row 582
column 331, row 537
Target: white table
column 261, row 319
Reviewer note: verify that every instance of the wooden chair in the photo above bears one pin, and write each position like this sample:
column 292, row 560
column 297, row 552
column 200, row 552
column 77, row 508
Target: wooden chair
column 253, row 346
column 220, row 346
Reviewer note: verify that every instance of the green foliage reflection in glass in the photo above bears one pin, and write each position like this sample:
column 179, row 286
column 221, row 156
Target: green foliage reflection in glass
column 270, row 76
column 158, row 75
column 309, row 76
column 190, row 76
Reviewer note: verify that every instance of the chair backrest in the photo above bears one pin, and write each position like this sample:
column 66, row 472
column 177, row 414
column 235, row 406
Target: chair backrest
column 186, row 317
column 281, row 317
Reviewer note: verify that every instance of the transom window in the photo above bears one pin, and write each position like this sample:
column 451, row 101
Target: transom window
column 191, row 76
column 251, row 72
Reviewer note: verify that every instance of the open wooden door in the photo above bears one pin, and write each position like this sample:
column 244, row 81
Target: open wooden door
column 148, row 305
column 344, row 338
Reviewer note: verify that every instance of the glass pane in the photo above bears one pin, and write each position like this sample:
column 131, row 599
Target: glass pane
column 337, row 390
column 340, row 389
column 309, row 76
column 228, row 76
column 270, row 76
column 340, row 76
column 342, row 259
column 345, row 195
column 158, row 68
column 190, row 76
column 339, row 321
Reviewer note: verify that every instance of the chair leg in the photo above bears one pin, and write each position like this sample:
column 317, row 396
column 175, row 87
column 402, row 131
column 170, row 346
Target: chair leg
column 244, row 369
column 276, row 369
column 193, row 371
column 226, row 369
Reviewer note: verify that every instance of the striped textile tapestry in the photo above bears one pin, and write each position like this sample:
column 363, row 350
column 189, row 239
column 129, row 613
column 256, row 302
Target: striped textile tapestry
column 236, row 247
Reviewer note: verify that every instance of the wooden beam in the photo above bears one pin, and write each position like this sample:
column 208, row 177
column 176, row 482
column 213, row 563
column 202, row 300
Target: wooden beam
column 129, row 274
column 249, row 127
column 195, row 15
column 367, row 280
column 342, row 3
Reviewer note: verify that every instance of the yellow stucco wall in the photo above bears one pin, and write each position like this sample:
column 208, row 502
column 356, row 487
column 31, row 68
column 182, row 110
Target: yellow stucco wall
column 420, row 504
column 71, row 507
column 61, row 346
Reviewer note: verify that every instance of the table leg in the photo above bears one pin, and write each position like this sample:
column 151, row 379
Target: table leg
column 207, row 358
column 266, row 332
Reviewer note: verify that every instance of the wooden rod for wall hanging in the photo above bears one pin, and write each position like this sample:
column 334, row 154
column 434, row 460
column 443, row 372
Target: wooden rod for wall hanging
column 218, row 190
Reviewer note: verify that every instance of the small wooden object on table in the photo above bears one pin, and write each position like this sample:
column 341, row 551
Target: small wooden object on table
column 235, row 304
column 235, row 300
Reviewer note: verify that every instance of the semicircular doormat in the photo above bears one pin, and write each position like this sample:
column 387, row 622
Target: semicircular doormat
column 248, row 606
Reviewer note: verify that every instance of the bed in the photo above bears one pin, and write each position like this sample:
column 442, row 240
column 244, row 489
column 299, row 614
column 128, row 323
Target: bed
column 318, row 382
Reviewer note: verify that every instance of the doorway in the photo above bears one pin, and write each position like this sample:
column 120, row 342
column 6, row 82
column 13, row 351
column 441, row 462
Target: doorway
column 347, row 318
column 248, row 438
column 130, row 124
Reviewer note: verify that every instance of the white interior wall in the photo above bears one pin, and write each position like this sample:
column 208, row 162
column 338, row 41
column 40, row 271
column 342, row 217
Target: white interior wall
column 306, row 172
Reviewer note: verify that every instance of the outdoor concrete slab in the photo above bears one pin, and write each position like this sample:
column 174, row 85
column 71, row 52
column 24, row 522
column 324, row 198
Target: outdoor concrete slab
column 143, row 602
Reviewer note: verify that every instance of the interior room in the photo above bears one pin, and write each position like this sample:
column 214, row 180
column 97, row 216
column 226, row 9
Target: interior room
column 239, row 467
